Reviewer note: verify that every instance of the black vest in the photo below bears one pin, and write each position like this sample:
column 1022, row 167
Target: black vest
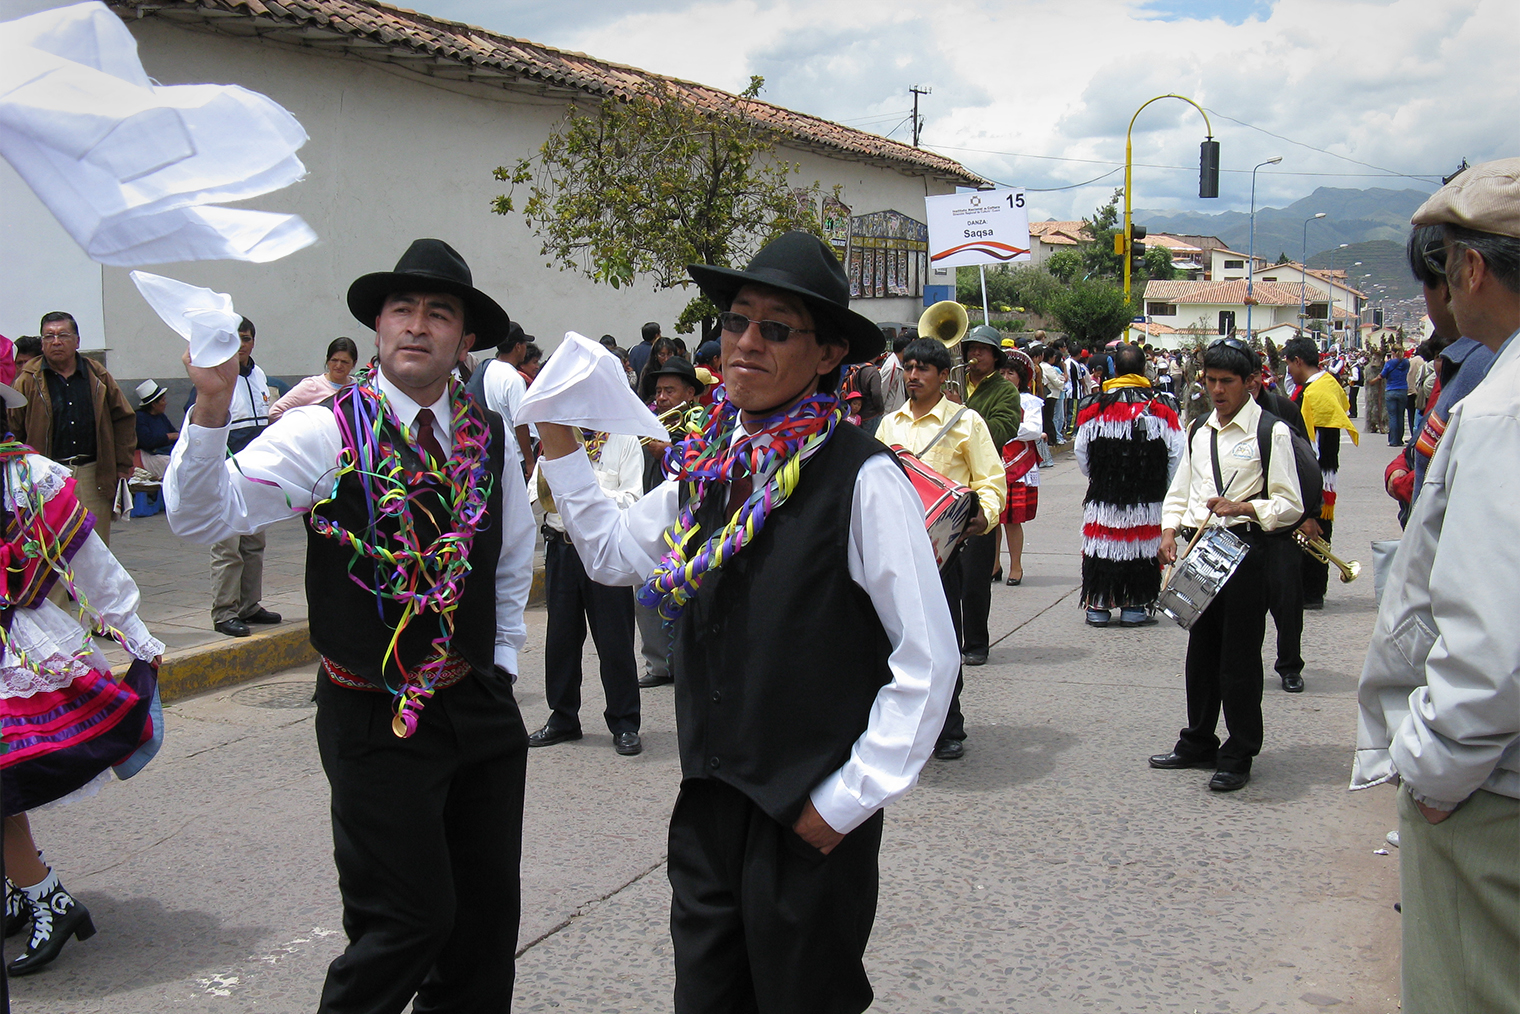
column 352, row 625
column 780, row 655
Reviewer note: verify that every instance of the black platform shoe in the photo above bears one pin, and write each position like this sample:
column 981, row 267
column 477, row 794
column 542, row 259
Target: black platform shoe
column 17, row 911
column 55, row 918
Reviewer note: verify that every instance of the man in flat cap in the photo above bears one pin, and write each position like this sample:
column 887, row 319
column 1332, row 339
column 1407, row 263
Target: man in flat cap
column 418, row 561
column 813, row 670
column 1440, row 691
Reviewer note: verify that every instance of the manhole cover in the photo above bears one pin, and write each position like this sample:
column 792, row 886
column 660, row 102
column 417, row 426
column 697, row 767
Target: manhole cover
column 276, row 695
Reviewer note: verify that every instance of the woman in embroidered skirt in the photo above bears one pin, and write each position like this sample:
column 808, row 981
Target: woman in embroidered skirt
column 68, row 724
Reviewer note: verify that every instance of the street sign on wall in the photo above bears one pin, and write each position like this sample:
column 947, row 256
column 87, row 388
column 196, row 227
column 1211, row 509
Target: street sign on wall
column 984, row 227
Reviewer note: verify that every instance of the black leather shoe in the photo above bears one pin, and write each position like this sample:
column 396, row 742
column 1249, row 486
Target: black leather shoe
column 261, row 616
column 950, row 749
column 233, row 628
column 1174, row 759
column 980, row 658
column 17, row 911
column 54, row 919
column 1229, row 781
column 549, row 736
column 1314, row 605
column 627, row 744
column 997, row 575
column 649, row 679
column 1292, row 682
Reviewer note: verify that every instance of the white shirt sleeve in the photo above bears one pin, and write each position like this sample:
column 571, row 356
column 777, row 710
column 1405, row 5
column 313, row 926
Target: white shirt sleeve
column 514, row 567
column 890, row 558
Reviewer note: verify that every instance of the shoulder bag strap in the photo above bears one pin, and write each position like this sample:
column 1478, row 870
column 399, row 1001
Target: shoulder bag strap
column 938, row 436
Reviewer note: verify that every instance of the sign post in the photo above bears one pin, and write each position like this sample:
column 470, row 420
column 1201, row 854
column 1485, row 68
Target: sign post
column 980, row 227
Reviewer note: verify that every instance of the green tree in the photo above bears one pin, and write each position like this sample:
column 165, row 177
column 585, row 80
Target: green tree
column 1158, row 265
column 1093, row 312
column 1064, row 265
column 1282, row 258
column 1035, row 287
column 644, row 187
column 1098, row 257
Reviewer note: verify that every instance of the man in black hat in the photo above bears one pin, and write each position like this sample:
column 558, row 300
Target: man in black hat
column 814, row 670
column 675, row 385
column 419, row 734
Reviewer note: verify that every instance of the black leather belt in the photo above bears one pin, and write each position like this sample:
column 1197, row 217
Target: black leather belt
column 78, row 459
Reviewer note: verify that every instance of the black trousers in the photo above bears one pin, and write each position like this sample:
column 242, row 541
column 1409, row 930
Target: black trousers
column 1224, row 669
column 978, row 554
column 1317, row 572
column 950, row 578
column 1048, row 418
column 1351, row 393
column 573, row 599
column 762, row 921
column 1285, row 567
column 427, row 838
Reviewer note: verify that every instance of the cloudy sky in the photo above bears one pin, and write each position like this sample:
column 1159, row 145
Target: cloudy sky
column 1038, row 93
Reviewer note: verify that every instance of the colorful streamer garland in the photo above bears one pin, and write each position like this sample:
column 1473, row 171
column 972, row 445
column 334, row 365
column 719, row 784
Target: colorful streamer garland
column 709, row 456
column 418, row 577
column 36, row 542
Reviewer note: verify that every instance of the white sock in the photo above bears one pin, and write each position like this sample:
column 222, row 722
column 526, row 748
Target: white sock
column 41, row 890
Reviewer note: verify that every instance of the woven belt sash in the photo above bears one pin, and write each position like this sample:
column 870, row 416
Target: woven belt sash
column 455, row 669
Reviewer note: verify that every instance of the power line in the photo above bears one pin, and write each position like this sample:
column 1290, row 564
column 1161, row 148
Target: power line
column 1322, row 151
column 1382, row 173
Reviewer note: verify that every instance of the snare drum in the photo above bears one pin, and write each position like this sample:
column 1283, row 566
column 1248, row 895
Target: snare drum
column 949, row 507
column 1199, row 576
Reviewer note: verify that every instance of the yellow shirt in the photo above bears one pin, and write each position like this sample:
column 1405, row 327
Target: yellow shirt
column 965, row 454
column 1240, row 468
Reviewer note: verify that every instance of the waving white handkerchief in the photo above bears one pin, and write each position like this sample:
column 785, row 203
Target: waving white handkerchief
column 205, row 318
column 136, row 171
column 583, row 384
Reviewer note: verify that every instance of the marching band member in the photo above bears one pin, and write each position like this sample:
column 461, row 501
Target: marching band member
column 1325, row 408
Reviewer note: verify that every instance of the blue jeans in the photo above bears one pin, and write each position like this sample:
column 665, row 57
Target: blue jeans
column 1396, row 401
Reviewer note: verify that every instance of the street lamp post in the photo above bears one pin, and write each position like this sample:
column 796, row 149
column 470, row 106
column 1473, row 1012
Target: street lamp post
column 1303, row 271
column 1251, row 247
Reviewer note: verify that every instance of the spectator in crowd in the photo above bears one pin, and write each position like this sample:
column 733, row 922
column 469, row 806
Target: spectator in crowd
column 955, row 442
column 501, row 386
column 576, row 602
column 237, row 562
column 342, row 355
column 533, row 361
column 663, row 350
column 1440, row 690
column 894, row 393
column 638, row 356
column 28, row 347
column 1223, row 669
column 865, row 379
column 675, row 386
column 1128, row 443
column 77, row 415
column 1461, row 366
column 1055, row 382
column 709, row 368
column 992, row 397
column 1395, row 375
column 155, row 432
column 7, row 361
column 610, row 343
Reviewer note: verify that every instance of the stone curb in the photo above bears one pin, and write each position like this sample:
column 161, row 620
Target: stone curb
column 236, row 660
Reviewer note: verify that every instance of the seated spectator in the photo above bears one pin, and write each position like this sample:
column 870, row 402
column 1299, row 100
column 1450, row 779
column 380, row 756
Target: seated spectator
column 155, row 432
column 342, row 354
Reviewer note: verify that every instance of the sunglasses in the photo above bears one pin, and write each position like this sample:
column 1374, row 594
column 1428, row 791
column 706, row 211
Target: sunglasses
column 1231, row 342
column 1434, row 257
column 770, row 330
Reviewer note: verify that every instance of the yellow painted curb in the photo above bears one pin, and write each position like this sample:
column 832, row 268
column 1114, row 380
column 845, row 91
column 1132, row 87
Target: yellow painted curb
column 536, row 594
column 236, row 660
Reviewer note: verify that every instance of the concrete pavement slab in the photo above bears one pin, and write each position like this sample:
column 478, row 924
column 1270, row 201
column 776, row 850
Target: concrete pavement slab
column 1050, row 870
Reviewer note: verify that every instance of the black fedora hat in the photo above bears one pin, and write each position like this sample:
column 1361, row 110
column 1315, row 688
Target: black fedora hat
column 675, row 366
column 430, row 265
column 802, row 264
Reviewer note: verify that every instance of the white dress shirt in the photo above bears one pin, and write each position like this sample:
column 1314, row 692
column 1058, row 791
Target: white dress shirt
column 1240, row 468
column 211, row 497
column 889, row 557
column 505, row 389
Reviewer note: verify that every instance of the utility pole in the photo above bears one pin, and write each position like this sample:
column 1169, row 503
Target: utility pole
column 918, row 123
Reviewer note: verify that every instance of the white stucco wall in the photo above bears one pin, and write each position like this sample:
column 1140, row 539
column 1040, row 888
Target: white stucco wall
column 392, row 157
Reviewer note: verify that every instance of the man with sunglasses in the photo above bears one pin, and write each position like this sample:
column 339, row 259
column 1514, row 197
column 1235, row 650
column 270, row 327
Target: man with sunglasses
column 814, row 646
column 1222, row 479
column 1440, row 691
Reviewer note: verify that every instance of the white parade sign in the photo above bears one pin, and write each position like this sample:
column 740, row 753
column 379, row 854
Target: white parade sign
column 985, row 227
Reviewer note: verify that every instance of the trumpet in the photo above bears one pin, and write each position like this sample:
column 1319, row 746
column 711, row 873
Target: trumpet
column 667, row 419
column 1320, row 550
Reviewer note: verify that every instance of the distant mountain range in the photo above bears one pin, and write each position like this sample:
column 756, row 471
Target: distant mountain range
column 1370, row 226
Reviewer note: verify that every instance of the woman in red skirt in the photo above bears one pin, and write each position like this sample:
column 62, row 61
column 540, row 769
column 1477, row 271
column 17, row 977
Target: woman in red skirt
column 1021, row 465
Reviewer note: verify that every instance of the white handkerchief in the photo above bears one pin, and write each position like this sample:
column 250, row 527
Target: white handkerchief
column 583, row 384
column 204, row 317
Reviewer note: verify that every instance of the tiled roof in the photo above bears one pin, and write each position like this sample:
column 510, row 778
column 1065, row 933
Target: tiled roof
column 1221, row 293
column 459, row 52
column 1172, row 243
column 1059, row 233
column 1334, row 275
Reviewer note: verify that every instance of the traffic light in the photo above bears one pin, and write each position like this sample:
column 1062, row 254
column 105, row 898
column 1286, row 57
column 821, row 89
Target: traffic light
column 1208, row 168
column 1136, row 249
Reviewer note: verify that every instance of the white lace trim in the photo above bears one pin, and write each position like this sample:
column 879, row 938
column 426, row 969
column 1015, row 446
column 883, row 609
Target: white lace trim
column 47, row 476
column 147, row 650
column 57, row 672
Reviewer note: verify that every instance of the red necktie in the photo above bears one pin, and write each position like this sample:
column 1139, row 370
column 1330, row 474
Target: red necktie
column 739, row 490
column 426, row 438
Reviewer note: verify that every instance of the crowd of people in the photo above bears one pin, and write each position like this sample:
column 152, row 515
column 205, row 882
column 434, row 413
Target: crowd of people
column 785, row 435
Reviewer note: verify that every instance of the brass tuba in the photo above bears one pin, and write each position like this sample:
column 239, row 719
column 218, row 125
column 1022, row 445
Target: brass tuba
column 946, row 321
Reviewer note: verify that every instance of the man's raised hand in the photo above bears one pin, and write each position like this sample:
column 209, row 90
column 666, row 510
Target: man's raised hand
column 213, row 391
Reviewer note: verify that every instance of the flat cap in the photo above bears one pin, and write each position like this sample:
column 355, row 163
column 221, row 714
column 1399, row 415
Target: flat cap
column 1485, row 198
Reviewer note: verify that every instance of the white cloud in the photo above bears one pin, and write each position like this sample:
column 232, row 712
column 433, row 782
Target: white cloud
column 1409, row 85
